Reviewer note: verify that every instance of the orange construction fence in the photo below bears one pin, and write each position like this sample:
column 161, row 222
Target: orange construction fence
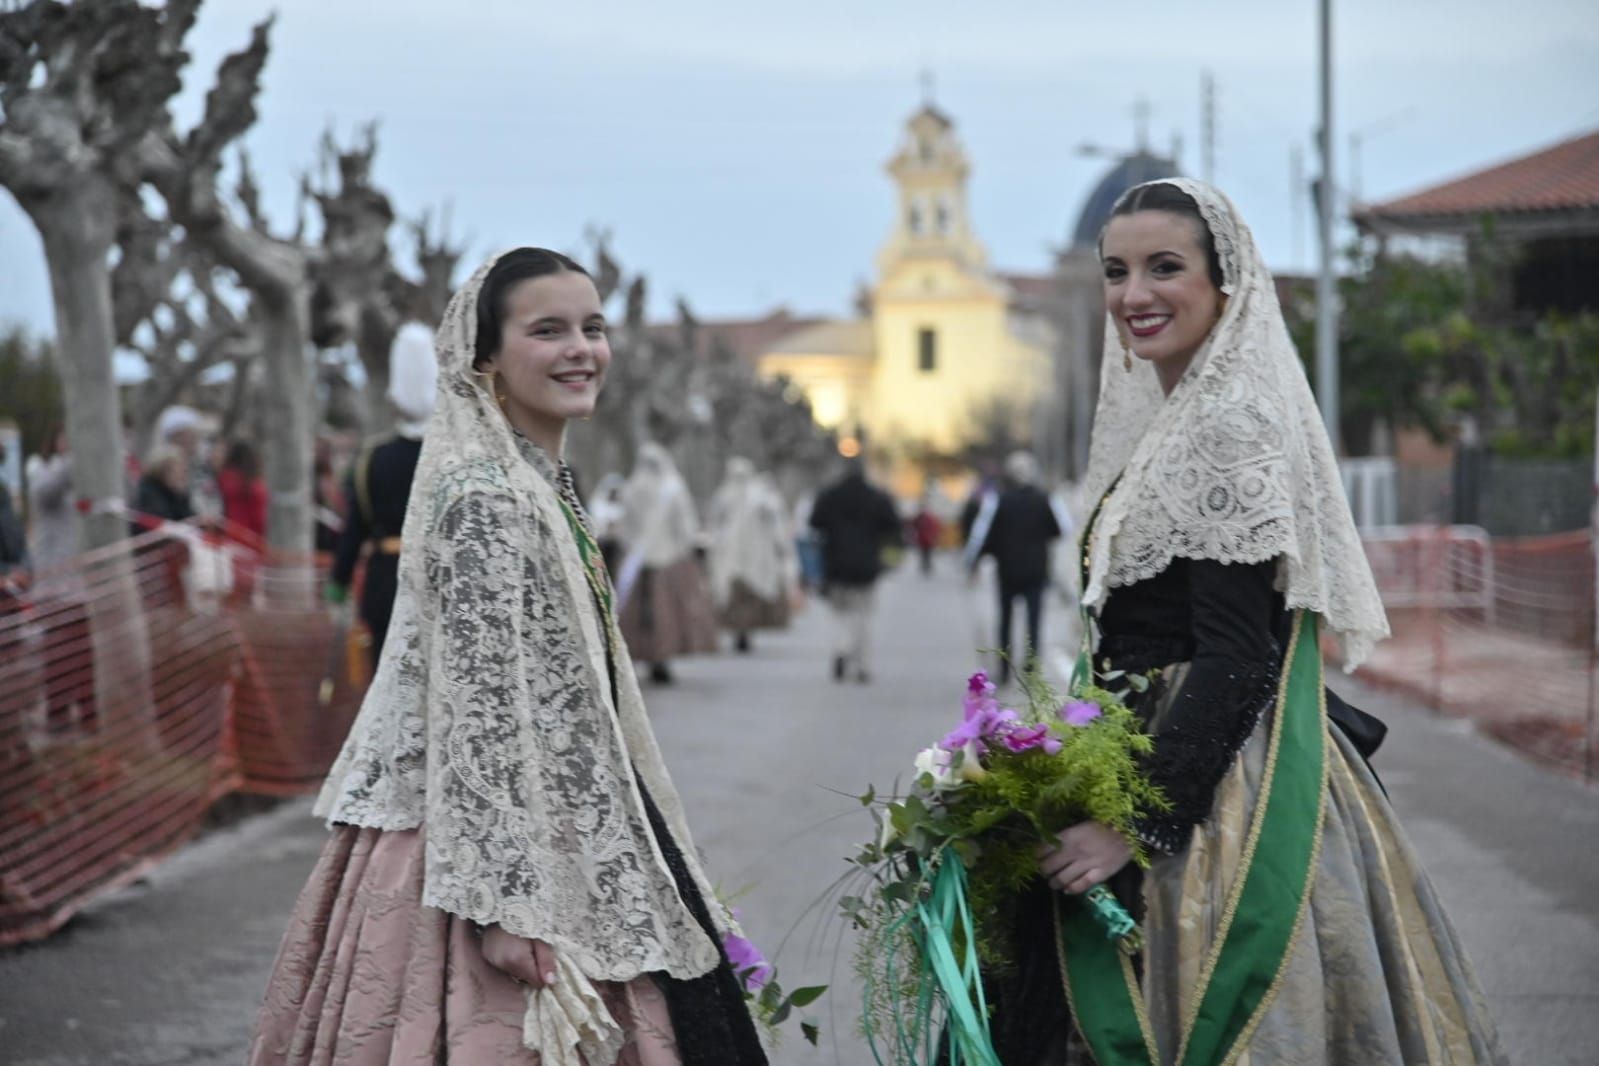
column 1497, row 629
column 137, row 686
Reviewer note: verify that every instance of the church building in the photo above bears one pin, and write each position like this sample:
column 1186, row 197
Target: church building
column 947, row 356
column 947, row 352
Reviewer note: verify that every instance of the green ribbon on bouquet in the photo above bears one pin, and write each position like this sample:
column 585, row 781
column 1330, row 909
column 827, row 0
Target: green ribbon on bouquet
column 936, row 925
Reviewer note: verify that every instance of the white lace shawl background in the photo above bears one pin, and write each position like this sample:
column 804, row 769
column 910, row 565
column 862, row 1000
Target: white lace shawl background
column 1234, row 465
column 490, row 723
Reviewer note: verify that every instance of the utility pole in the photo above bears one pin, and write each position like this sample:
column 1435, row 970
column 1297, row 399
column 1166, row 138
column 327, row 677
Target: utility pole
column 1296, row 201
column 1354, row 168
column 1207, row 125
column 1326, row 290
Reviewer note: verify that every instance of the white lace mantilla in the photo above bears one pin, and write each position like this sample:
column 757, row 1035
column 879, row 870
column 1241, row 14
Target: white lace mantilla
column 1234, row 465
column 490, row 721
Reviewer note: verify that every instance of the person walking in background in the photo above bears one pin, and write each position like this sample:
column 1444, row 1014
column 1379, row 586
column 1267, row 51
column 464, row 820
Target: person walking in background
column 163, row 489
column 379, row 486
column 326, row 499
column 243, row 491
column 926, row 529
column 59, row 598
column 807, row 544
column 52, row 522
column 856, row 522
column 15, row 563
column 666, row 604
column 180, row 427
column 1018, row 539
column 606, row 514
column 751, row 554
column 509, row 878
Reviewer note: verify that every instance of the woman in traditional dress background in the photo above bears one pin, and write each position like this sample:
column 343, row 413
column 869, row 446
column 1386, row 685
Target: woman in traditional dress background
column 666, row 604
column 752, row 563
column 509, row 877
column 1287, row 918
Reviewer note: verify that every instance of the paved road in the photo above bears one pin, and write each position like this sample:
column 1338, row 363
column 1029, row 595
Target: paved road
column 768, row 752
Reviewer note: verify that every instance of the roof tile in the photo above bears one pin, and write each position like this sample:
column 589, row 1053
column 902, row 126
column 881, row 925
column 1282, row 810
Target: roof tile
column 1560, row 178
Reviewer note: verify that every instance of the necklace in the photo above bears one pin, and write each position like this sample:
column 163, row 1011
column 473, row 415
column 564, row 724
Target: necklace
column 588, row 549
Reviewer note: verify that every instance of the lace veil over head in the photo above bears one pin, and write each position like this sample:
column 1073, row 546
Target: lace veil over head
column 1234, row 465
column 491, row 722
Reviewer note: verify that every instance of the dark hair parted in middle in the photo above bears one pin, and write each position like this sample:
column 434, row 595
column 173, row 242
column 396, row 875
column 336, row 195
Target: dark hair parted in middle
column 1158, row 196
column 508, row 271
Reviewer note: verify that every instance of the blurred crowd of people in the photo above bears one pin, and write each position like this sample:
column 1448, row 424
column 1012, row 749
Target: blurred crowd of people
column 680, row 581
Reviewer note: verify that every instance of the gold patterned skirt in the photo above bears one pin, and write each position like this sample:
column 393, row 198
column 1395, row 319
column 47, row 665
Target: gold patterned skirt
column 1375, row 975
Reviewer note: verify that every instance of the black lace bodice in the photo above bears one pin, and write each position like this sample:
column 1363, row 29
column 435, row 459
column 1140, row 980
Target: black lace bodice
column 1228, row 623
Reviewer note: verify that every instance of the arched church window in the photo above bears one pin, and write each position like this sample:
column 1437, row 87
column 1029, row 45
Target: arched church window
column 926, row 349
column 913, row 218
column 941, row 216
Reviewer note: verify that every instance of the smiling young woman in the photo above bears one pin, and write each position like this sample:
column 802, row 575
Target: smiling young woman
column 542, row 342
column 1286, row 917
column 1162, row 279
column 509, row 877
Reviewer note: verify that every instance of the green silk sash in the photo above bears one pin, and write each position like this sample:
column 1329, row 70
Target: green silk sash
column 1265, row 906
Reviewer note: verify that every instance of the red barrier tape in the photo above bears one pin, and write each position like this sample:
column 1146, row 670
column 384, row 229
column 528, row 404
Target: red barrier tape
column 137, row 686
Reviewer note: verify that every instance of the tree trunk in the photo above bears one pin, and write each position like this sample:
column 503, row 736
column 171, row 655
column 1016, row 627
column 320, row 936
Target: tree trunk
column 80, row 283
column 76, row 233
column 286, row 410
column 374, row 338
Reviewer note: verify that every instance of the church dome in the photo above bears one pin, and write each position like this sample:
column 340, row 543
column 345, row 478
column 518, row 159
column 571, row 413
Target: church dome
column 1131, row 170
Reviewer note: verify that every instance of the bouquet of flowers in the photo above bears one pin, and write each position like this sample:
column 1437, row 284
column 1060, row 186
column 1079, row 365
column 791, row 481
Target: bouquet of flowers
column 950, row 853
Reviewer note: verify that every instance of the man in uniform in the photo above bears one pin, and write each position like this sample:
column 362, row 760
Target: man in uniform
column 379, row 485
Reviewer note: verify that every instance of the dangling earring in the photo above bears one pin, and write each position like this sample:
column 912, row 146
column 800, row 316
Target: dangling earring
column 1127, row 361
column 493, row 380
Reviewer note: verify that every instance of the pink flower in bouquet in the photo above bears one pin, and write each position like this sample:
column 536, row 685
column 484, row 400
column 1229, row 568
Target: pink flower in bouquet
column 747, row 960
column 1079, row 712
column 985, row 718
column 1028, row 737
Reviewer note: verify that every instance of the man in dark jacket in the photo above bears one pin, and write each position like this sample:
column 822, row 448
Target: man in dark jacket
column 856, row 521
column 1019, row 539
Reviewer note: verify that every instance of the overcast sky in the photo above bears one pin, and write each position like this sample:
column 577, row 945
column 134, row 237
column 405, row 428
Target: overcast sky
column 736, row 151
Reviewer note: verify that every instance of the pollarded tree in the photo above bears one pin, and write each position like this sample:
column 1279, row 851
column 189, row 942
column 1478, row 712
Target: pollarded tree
column 80, row 86
column 169, row 309
column 274, row 270
column 360, row 296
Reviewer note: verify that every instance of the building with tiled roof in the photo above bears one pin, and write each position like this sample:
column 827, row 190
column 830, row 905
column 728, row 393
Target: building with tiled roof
column 1544, row 206
column 745, row 338
column 1552, row 190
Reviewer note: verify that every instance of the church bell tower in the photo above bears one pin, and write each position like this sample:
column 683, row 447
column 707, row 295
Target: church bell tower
column 930, row 170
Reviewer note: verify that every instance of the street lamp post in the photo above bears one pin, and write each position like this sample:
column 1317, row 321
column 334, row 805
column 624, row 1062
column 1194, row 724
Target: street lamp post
column 1326, row 290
